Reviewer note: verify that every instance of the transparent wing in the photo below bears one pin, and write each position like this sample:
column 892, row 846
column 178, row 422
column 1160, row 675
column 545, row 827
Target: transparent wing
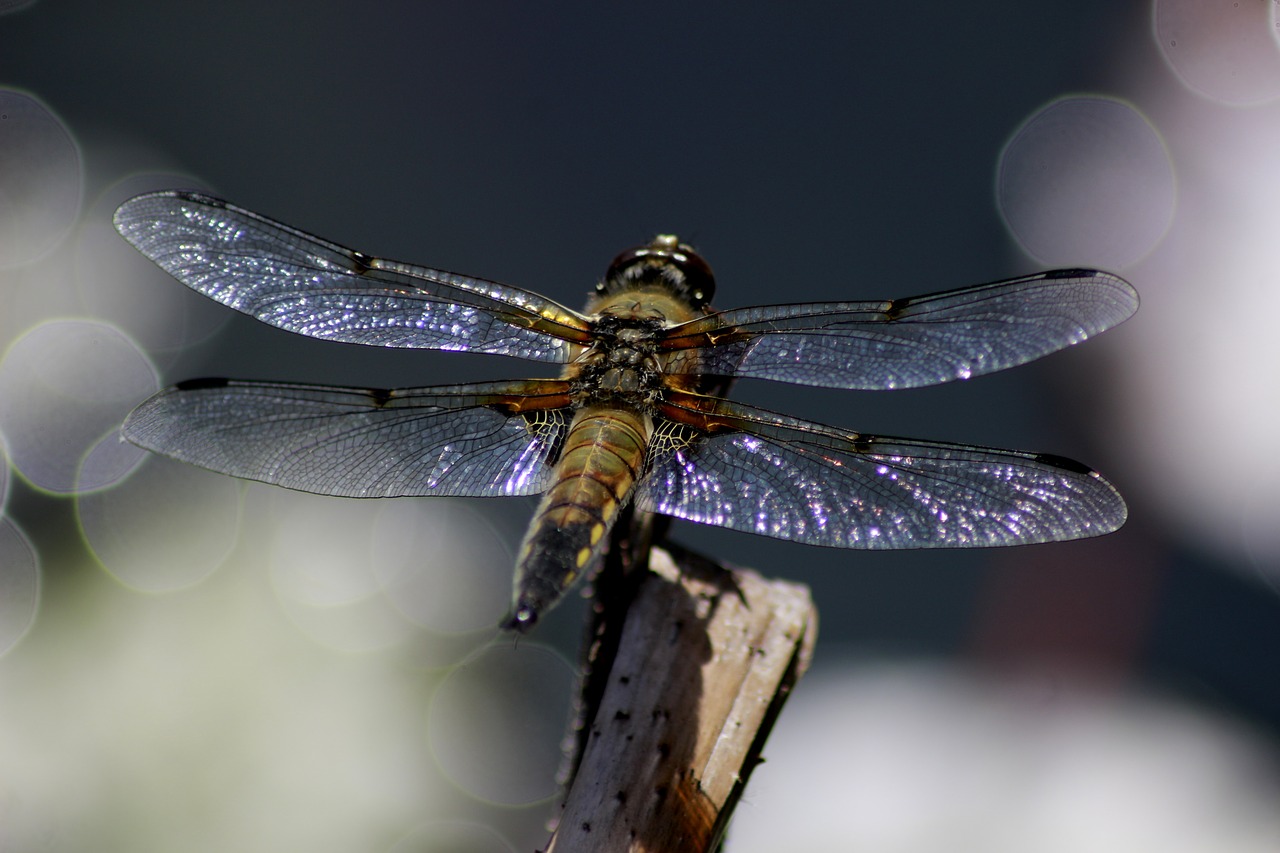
column 758, row 472
column 310, row 286
column 905, row 343
column 496, row 438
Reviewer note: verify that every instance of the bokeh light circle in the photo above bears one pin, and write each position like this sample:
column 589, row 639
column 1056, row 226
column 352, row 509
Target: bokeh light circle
column 41, row 180
column 496, row 723
column 356, row 627
column 321, row 552
column 1086, row 181
column 118, row 284
column 19, row 585
column 442, row 564
column 108, row 462
column 360, row 575
column 167, row 527
column 1202, row 357
column 65, row 387
column 1224, row 50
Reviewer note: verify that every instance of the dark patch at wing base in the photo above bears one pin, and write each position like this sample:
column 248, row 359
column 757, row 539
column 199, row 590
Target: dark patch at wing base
column 202, row 383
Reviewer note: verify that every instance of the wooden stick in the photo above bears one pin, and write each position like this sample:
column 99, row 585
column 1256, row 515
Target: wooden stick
column 706, row 658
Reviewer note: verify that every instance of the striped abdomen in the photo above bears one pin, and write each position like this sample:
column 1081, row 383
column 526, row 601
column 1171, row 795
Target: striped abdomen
column 602, row 457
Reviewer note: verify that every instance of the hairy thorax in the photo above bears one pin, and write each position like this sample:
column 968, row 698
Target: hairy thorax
column 623, row 368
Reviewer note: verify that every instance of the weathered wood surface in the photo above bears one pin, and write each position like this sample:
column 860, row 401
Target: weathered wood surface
column 706, row 658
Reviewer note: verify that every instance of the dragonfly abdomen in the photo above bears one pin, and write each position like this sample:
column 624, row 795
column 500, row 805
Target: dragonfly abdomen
column 602, row 457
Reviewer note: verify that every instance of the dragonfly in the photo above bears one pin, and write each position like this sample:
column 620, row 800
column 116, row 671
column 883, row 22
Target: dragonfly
column 637, row 417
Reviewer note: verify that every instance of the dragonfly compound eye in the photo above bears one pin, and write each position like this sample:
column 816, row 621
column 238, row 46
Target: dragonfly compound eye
column 666, row 261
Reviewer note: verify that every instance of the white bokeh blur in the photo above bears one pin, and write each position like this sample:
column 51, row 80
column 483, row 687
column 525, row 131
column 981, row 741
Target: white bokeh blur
column 271, row 692
column 890, row 757
column 116, row 283
column 452, row 836
column 19, row 584
column 1194, row 388
column 494, row 748
column 1086, row 181
column 1223, row 50
column 65, row 387
column 235, row 666
column 41, row 179
column 205, row 723
column 167, row 527
column 359, row 575
column 442, row 565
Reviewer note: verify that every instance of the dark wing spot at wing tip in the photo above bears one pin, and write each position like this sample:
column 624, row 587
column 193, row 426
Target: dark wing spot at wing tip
column 202, row 383
column 197, row 196
column 1070, row 273
column 1064, row 463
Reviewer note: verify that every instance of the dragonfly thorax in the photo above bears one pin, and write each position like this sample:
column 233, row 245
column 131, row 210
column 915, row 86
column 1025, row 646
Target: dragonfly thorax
column 621, row 367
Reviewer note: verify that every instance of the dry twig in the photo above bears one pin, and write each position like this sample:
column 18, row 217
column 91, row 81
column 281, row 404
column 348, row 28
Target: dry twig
column 705, row 660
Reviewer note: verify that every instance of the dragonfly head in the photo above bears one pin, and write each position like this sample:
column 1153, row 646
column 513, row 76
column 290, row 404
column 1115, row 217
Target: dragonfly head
column 664, row 261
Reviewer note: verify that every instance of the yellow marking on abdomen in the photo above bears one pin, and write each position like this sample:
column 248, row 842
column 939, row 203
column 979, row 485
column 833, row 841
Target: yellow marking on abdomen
column 602, row 457
column 600, row 462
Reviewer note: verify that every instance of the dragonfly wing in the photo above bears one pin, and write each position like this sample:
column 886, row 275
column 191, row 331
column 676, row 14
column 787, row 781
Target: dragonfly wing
column 754, row 471
column 292, row 280
column 490, row 439
column 905, row 343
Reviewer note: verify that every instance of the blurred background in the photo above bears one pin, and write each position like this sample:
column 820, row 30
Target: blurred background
column 192, row 663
